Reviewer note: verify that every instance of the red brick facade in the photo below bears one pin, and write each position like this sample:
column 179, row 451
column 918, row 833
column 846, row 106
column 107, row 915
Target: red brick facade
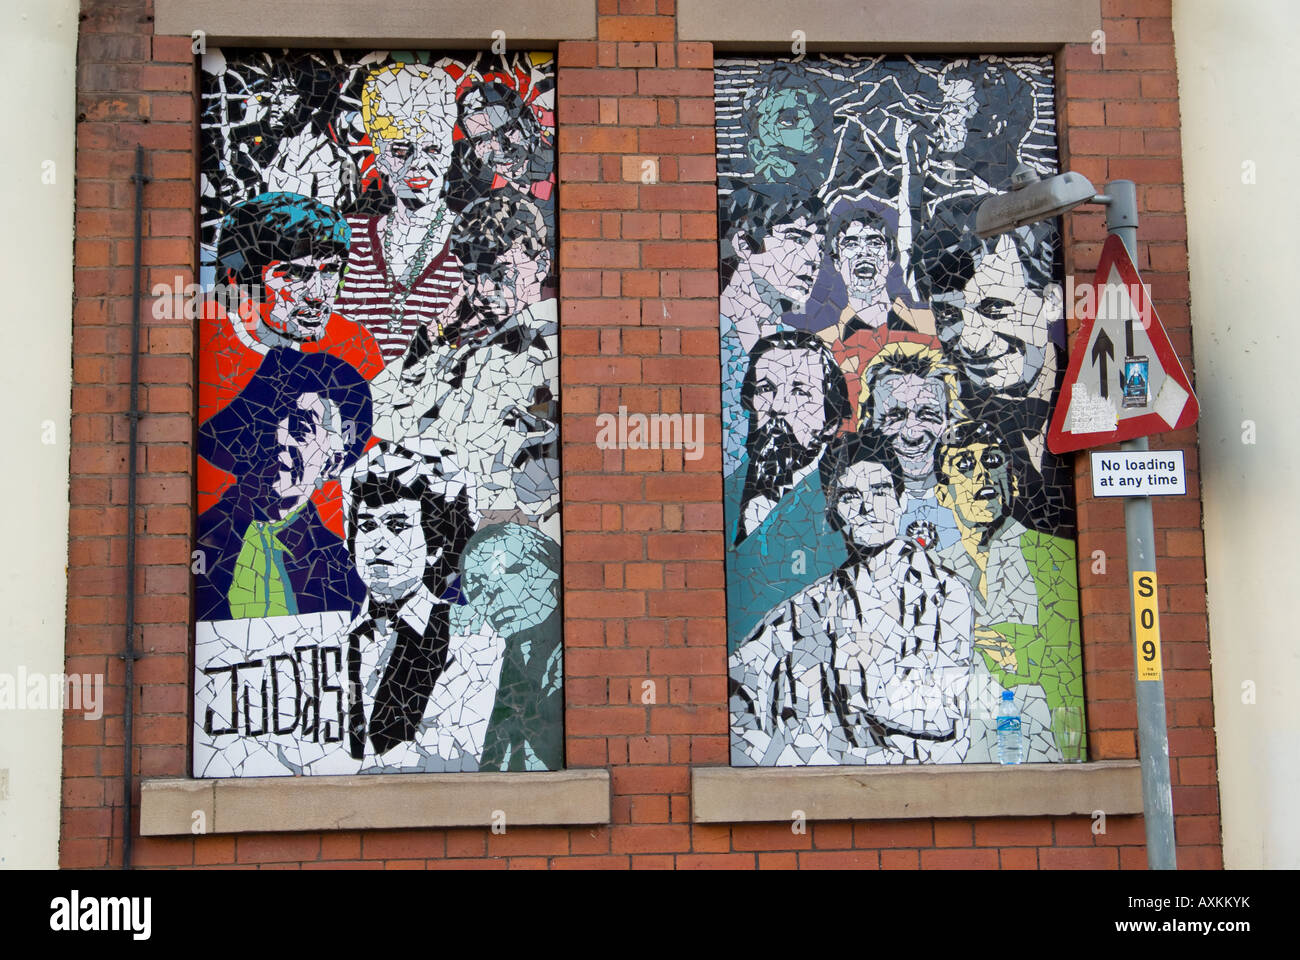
column 644, row 575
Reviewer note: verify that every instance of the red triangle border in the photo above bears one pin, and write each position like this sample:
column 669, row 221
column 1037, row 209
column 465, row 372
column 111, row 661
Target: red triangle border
column 1115, row 254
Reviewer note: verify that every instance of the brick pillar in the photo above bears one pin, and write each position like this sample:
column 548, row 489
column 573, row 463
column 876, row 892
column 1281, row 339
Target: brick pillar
column 1120, row 120
column 133, row 88
column 644, row 579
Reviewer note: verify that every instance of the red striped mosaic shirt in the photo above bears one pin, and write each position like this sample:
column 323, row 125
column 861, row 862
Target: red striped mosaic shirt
column 372, row 297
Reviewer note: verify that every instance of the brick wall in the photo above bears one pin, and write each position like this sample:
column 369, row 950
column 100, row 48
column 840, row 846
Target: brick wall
column 1120, row 120
column 644, row 575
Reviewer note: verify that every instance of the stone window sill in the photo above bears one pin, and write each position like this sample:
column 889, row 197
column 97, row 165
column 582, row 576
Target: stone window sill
column 383, row 24
column 279, row 804
column 753, row 794
column 890, row 25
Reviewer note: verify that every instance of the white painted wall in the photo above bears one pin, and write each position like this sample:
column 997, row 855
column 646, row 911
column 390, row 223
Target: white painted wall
column 1236, row 84
column 38, row 67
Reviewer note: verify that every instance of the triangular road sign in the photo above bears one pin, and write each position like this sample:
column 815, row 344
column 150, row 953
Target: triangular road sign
column 1124, row 380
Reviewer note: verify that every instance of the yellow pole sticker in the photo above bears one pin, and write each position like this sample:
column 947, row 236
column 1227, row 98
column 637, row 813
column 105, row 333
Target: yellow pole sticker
column 1146, row 625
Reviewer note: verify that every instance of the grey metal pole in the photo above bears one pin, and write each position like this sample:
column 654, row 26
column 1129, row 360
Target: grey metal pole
column 1139, row 530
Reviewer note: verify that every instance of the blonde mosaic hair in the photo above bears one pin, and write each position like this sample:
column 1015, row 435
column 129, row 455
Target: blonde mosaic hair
column 908, row 357
column 401, row 98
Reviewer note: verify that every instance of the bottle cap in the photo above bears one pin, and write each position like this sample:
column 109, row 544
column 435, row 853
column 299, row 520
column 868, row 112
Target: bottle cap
column 1008, row 695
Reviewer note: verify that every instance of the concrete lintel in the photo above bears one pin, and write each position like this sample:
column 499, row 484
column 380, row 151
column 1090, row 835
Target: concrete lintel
column 913, row 26
column 751, row 794
column 276, row 804
column 378, row 24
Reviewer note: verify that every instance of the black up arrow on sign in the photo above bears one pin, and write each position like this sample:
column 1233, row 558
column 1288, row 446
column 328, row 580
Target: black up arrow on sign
column 1102, row 350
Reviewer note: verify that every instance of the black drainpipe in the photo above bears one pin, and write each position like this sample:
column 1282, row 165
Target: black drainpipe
column 133, row 416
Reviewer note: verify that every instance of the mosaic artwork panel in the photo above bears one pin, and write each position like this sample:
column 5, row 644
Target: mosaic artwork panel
column 377, row 572
column 899, row 540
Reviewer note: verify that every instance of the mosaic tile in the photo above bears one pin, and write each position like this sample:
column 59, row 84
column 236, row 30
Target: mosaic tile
column 377, row 565
column 900, row 542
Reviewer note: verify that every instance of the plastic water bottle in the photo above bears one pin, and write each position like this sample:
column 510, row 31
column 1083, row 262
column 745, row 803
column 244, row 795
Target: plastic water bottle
column 1008, row 729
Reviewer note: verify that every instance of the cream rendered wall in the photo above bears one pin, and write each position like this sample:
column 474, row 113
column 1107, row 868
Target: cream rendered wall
column 1235, row 63
column 38, row 66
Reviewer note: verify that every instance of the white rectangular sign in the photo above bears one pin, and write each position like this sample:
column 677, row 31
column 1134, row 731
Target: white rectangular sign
column 270, row 696
column 1149, row 473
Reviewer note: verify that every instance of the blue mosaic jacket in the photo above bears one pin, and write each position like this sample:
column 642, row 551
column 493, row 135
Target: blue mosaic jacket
column 794, row 547
column 319, row 570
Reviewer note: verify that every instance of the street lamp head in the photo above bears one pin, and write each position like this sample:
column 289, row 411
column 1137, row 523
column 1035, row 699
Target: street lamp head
column 1031, row 199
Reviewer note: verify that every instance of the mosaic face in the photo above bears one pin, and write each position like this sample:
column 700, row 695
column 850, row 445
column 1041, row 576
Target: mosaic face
column 311, row 446
column 899, row 543
column 996, row 326
column 861, row 257
column 499, row 134
column 415, row 168
column 300, row 295
column 959, row 107
column 389, row 548
column 787, row 131
column 514, row 587
column 509, row 284
column 789, row 402
column 409, row 112
column 980, row 485
column 912, row 411
column 283, row 102
column 378, row 376
column 788, row 260
column 867, row 504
